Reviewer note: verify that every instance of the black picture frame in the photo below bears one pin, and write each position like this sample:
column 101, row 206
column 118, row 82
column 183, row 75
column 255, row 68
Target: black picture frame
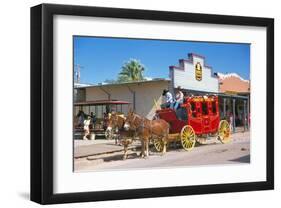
column 42, row 103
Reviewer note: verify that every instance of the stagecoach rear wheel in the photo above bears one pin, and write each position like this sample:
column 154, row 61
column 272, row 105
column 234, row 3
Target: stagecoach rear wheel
column 224, row 132
column 188, row 137
column 158, row 144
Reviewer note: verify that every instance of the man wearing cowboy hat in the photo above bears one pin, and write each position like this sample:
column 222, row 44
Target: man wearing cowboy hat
column 168, row 98
column 178, row 98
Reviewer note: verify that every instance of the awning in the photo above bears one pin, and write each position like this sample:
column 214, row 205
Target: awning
column 102, row 102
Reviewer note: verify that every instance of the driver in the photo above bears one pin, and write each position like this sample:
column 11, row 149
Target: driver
column 169, row 101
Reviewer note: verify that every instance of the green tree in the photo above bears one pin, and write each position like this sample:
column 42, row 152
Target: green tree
column 131, row 71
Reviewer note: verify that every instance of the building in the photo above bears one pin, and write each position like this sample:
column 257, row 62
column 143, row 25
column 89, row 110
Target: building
column 195, row 77
column 235, row 93
column 145, row 96
column 232, row 83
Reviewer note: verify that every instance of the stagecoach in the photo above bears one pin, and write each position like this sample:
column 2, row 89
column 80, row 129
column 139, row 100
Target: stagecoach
column 197, row 118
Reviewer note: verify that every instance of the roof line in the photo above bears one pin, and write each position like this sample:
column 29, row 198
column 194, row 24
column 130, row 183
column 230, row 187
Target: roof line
column 127, row 83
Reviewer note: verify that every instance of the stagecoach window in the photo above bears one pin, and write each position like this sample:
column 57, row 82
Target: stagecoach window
column 214, row 107
column 193, row 109
column 204, row 108
column 192, row 106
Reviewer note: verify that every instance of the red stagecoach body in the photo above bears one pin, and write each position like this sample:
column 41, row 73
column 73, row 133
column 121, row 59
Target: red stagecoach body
column 200, row 112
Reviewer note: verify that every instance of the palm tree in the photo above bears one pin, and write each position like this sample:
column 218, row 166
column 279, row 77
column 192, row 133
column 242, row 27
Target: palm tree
column 131, row 71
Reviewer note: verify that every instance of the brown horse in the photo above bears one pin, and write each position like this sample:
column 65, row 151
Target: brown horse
column 116, row 124
column 147, row 129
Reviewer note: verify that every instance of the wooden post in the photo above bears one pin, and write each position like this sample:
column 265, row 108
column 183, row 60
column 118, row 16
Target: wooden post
column 224, row 108
column 248, row 113
column 233, row 116
column 245, row 116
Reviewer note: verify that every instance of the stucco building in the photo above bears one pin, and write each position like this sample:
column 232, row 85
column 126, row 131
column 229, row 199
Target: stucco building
column 144, row 96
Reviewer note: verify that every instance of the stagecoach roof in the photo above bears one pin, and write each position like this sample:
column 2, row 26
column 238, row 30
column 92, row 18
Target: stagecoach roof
column 102, row 102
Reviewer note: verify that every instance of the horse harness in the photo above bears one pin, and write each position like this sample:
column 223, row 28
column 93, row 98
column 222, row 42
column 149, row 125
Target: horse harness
column 142, row 124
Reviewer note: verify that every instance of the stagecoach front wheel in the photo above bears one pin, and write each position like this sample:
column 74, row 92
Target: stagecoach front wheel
column 188, row 137
column 224, row 132
column 158, row 144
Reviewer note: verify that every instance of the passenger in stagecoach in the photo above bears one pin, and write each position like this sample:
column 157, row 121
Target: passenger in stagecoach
column 169, row 101
column 178, row 98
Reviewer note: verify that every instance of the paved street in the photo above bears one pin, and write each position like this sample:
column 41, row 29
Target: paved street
column 238, row 151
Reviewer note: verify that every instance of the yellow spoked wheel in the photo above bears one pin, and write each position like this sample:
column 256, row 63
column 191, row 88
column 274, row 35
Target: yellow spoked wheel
column 158, row 144
column 224, row 132
column 188, row 138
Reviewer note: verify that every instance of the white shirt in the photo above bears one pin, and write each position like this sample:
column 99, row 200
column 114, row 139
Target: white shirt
column 86, row 123
column 179, row 96
column 169, row 97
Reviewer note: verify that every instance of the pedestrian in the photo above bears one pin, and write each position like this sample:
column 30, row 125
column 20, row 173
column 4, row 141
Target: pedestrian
column 93, row 118
column 87, row 122
column 81, row 117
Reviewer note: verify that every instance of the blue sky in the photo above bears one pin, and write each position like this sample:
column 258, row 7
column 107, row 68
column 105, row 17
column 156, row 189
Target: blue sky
column 102, row 58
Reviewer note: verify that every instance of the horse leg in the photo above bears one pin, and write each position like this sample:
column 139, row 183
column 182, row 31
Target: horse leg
column 125, row 151
column 117, row 139
column 86, row 133
column 142, row 148
column 147, row 147
column 165, row 139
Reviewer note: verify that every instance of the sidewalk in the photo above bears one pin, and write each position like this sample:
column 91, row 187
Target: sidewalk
column 85, row 148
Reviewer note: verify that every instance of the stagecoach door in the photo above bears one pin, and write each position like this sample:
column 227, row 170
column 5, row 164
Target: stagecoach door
column 206, row 124
column 195, row 118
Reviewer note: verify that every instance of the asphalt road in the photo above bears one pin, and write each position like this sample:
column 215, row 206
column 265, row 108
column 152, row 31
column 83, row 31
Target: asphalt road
column 238, row 151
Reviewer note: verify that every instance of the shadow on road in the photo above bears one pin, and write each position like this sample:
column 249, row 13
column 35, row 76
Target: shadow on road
column 244, row 159
column 119, row 157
